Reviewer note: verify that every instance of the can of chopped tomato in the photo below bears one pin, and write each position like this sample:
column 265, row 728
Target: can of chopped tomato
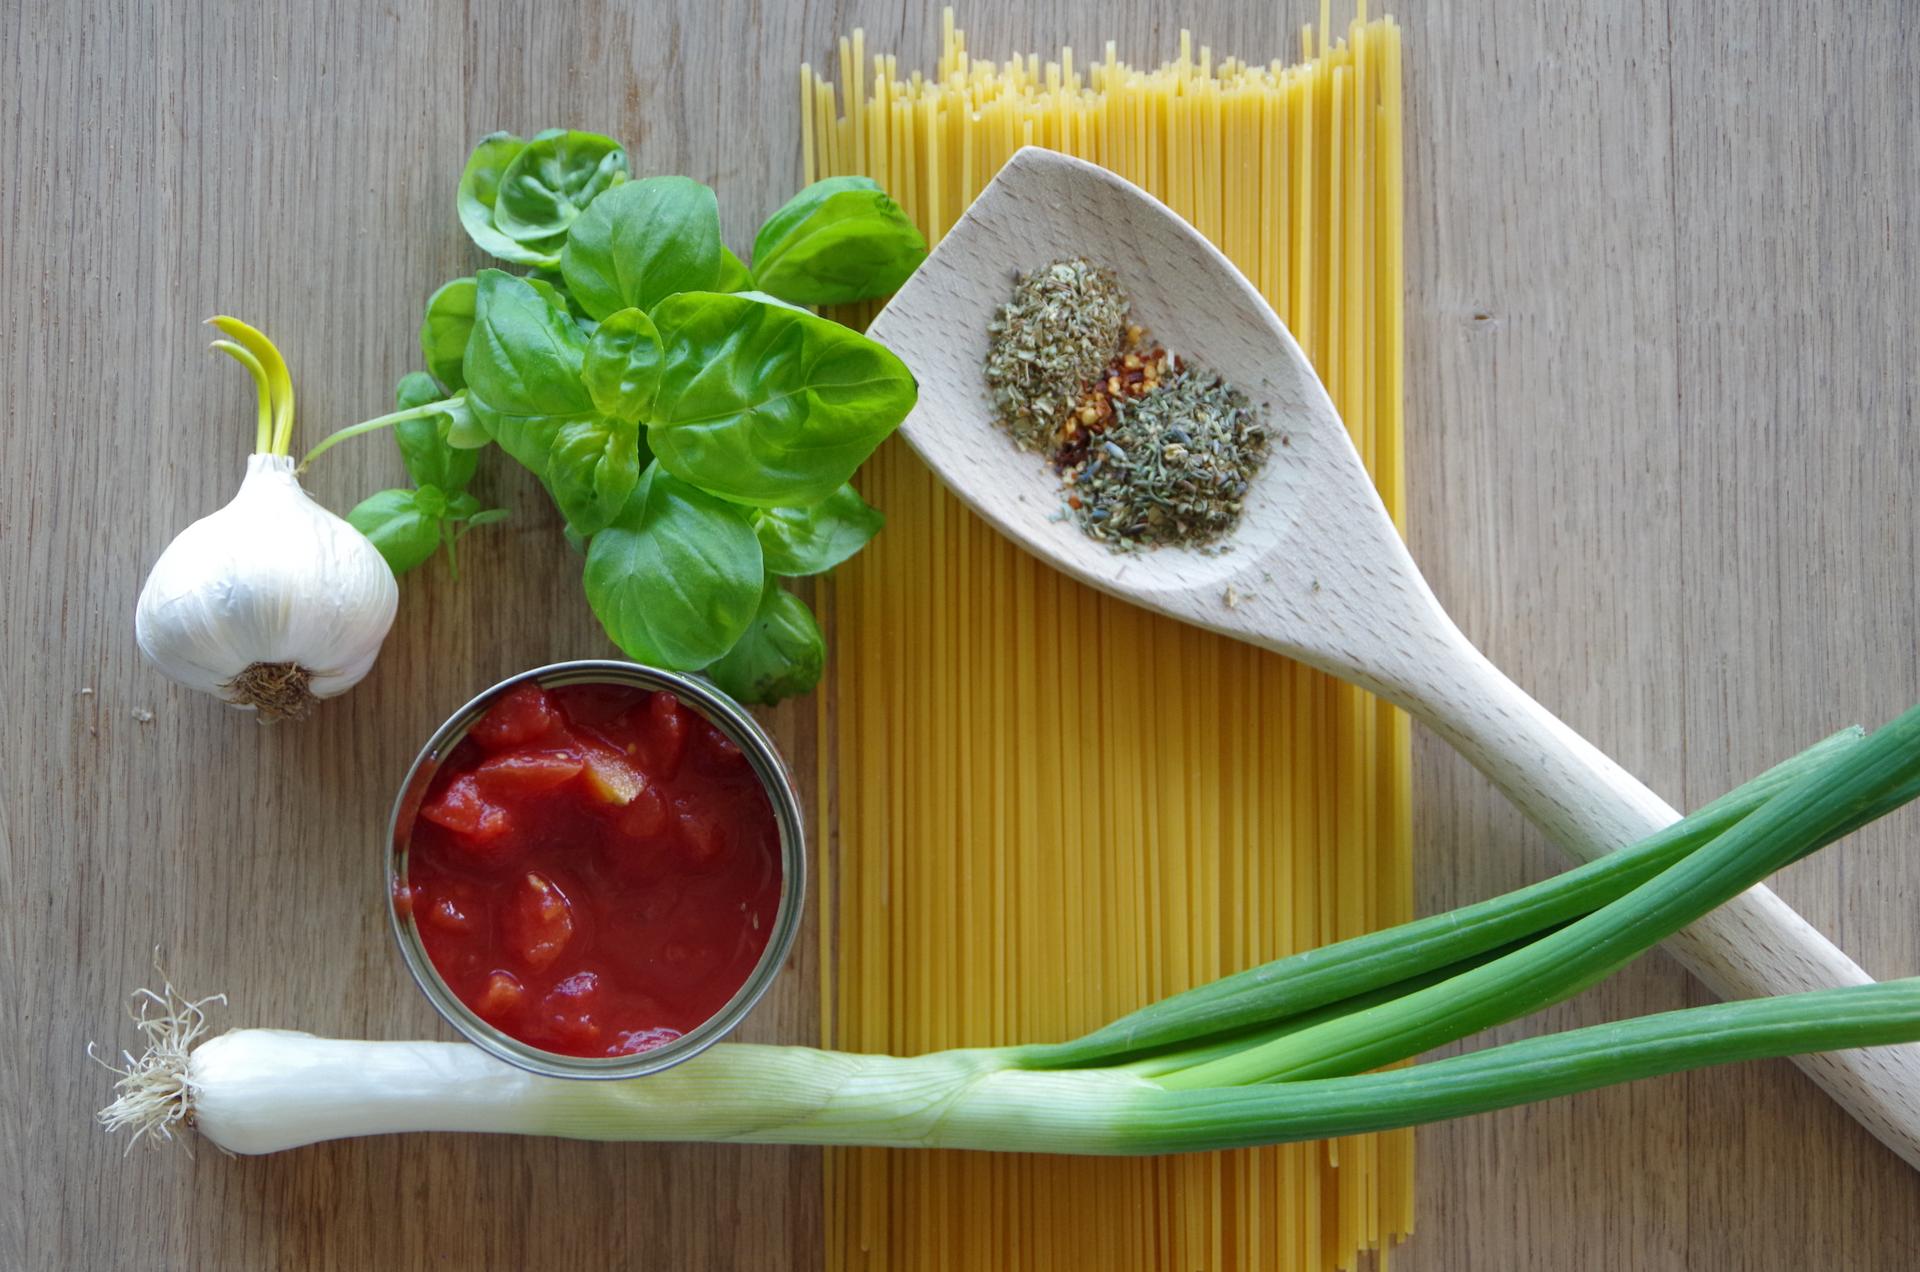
column 595, row 869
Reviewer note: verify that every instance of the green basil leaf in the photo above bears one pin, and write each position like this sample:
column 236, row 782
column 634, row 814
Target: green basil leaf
column 430, row 458
column 676, row 579
column 798, row 541
column 640, row 242
column 622, row 367
column 464, row 431
column 523, row 367
column 461, row 506
column 780, row 656
column 592, row 468
column 431, row 501
column 556, row 282
column 527, row 438
column 524, row 355
column 552, row 294
column 415, row 388
column 733, row 276
column 768, row 405
column 485, row 517
column 837, row 241
column 551, row 179
column 394, row 521
column 458, row 427
column 444, row 330
column 476, row 199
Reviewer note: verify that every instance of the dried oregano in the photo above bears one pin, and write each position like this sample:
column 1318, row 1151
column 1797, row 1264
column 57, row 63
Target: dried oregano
column 1054, row 336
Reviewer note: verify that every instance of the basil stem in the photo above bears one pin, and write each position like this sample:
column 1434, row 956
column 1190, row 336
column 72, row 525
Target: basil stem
column 368, row 426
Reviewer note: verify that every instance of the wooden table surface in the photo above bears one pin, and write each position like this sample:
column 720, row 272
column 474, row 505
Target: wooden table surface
column 1663, row 318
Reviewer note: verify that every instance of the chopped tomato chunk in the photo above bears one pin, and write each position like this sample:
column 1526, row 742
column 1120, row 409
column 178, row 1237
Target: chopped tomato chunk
column 611, row 776
column 646, row 815
column 500, row 995
column 633, row 1041
column 572, row 1029
column 524, row 715
column 577, row 990
column 527, row 772
column 666, row 736
column 567, row 1011
column 719, row 747
column 449, row 913
column 702, row 835
column 462, row 808
column 539, row 921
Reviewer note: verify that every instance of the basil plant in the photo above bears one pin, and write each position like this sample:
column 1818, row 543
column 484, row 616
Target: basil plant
column 694, row 422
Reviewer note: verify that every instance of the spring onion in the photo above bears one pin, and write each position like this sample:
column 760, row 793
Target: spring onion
column 1332, row 973
column 1242, row 1062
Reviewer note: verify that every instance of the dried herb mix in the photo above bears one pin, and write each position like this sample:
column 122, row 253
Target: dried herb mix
column 1173, row 467
column 1153, row 452
column 1057, row 333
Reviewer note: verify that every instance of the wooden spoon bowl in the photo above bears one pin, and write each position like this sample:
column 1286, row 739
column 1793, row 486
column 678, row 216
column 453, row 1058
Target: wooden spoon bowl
column 1315, row 568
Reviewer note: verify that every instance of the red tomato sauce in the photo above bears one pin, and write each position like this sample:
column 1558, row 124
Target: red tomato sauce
column 595, row 870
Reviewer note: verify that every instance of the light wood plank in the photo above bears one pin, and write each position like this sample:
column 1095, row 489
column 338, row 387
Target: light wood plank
column 1629, row 534
column 1701, row 556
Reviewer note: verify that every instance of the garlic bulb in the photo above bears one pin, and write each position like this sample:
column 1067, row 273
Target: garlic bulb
column 272, row 602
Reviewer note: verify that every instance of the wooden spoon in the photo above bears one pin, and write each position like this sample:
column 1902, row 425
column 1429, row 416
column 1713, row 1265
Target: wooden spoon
column 1315, row 569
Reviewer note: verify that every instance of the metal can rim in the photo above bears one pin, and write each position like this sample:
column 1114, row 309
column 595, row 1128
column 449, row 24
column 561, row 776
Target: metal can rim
column 718, row 709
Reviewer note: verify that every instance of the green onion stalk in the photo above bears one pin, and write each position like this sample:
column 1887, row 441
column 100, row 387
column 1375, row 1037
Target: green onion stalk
column 1292, row 1050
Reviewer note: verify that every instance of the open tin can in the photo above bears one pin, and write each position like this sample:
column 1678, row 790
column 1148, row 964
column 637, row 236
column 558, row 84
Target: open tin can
column 739, row 728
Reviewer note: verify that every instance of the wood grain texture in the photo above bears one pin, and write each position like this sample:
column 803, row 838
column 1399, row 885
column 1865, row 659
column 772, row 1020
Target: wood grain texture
column 1661, row 331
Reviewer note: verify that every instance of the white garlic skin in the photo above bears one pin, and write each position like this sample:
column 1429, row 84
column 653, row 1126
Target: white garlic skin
column 273, row 577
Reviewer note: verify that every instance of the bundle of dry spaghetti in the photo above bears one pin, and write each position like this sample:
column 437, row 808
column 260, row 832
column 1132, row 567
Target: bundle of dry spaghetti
column 1053, row 807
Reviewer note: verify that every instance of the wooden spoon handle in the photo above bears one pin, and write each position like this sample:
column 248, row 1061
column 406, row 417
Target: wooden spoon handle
column 1752, row 946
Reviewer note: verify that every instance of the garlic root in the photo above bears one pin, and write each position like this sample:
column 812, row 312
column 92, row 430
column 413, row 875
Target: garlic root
column 278, row 691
